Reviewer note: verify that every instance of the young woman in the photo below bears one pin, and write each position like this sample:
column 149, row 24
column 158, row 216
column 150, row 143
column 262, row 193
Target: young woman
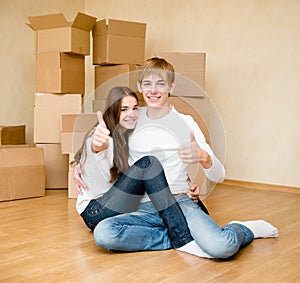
column 115, row 188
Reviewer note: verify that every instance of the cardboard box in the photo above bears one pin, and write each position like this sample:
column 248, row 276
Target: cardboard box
column 107, row 77
column 54, row 33
column 198, row 108
column 57, row 166
column 58, row 72
column 190, row 72
column 12, row 135
column 118, row 42
column 22, row 171
column 74, row 127
column 47, row 115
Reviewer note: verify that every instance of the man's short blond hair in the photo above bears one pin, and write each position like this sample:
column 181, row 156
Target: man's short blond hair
column 158, row 67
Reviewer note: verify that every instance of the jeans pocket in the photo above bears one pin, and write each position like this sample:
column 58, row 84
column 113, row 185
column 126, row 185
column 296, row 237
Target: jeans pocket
column 92, row 215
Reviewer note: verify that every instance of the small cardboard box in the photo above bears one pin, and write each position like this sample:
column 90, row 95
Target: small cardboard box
column 54, row 33
column 47, row 115
column 57, row 166
column 12, row 135
column 22, row 171
column 118, row 42
column 74, row 127
column 58, row 72
column 107, row 77
column 190, row 72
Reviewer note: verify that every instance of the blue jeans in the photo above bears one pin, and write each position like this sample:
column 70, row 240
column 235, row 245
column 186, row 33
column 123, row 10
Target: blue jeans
column 146, row 175
column 144, row 230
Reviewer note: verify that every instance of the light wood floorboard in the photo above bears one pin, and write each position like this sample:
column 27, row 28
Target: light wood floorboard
column 44, row 240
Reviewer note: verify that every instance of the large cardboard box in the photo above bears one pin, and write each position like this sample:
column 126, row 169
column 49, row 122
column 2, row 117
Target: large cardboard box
column 190, row 72
column 57, row 166
column 58, row 72
column 118, row 42
column 198, row 108
column 74, row 127
column 54, row 33
column 12, row 135
column 48, row 109
column 107, row 77
column 22, row 171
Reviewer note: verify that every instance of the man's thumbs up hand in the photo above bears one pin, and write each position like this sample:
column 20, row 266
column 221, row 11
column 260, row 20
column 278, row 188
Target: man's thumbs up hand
column 192, row 153
column 101, row 135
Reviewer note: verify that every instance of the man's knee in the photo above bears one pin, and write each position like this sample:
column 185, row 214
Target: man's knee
column 105, row 234
column 147, row 161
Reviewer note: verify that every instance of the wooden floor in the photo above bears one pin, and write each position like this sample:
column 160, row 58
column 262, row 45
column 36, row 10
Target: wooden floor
column 44, row 240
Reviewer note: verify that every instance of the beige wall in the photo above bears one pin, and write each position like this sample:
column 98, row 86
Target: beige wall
column 17, row 69
column 253, row 69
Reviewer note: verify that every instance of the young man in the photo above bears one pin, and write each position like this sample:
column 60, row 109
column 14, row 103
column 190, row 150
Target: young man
column 176, row 140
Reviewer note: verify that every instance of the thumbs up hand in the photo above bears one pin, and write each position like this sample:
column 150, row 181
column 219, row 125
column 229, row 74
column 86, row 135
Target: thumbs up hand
column 101, row 135
column 192, row 153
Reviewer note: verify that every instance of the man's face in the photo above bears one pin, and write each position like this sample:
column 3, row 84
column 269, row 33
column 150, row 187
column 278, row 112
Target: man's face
column 155, row 91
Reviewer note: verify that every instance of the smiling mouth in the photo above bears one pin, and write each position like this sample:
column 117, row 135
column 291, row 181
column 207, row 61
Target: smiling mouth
column 130, row 120
column 153, row 98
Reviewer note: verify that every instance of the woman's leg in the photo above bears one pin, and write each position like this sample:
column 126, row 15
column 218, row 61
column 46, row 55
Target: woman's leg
column 137, row 231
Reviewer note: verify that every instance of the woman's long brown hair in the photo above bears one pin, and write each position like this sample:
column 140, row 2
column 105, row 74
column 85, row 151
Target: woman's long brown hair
column 120, row 135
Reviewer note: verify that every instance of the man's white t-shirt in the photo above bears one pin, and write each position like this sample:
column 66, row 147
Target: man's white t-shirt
column 161, row 138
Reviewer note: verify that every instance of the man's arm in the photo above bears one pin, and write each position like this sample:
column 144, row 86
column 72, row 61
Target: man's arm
column 192, row 153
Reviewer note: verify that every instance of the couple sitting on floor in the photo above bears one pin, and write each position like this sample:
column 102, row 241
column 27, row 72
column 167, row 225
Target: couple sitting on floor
column 132, row 151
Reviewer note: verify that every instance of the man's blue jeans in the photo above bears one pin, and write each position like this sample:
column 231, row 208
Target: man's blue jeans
column 144, row 230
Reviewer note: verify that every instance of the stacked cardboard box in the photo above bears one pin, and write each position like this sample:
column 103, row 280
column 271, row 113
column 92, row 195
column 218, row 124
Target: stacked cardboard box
column 60, row 48
column 118, row 51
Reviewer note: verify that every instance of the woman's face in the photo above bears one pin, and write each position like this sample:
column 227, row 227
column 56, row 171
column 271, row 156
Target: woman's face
column 129, row 112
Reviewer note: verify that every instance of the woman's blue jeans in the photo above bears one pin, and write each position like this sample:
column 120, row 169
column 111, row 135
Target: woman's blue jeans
column 146, row 175
column 144, row 230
